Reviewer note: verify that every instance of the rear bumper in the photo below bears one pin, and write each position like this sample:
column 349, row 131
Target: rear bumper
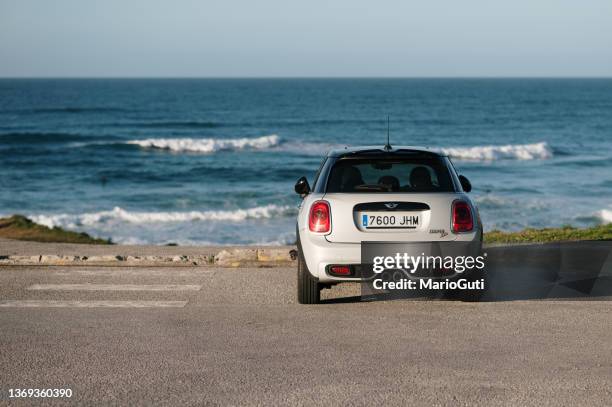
column 319, row 253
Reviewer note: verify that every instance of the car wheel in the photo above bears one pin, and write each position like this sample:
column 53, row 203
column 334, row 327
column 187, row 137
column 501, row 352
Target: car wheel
column 308, row 287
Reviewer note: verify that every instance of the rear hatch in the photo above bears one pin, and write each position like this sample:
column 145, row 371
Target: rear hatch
column 390, row 217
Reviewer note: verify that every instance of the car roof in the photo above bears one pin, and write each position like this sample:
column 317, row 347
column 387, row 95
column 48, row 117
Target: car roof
column 375, row 150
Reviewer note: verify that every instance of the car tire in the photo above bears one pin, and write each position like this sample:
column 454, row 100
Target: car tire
column 308, row 287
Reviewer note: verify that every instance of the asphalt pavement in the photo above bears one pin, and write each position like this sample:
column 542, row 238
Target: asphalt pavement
column 222, row 336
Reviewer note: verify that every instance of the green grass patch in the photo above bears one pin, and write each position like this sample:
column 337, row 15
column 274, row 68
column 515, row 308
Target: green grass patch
column 563, row 234
column 21, row 228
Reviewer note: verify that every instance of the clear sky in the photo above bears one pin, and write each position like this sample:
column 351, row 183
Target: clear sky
column 201, row 38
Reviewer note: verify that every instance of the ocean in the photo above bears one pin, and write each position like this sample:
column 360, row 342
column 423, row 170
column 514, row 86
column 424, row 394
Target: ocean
column 214, row 161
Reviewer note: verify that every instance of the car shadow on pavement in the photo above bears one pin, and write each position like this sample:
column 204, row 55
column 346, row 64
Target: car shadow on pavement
column 343, row 300
column 553, row 271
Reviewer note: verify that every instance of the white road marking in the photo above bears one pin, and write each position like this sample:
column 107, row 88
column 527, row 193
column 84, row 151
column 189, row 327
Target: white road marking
column 129, row 272
column 115, row 287
column 90, row 304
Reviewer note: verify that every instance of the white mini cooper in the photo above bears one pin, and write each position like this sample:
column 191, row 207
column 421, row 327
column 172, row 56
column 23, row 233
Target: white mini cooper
column 372, row 194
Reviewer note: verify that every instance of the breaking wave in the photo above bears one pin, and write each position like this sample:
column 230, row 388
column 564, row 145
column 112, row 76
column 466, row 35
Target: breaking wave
column 508, row 152
column 273, row 143
column 605, row 215
column 119, row 214
column 208, row 145
column 477, row 153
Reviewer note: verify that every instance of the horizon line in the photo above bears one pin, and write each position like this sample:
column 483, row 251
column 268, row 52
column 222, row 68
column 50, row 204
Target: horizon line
column 305, row 77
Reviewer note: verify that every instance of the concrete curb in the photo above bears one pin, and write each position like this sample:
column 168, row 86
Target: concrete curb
column 248, row 256
column 239, row 257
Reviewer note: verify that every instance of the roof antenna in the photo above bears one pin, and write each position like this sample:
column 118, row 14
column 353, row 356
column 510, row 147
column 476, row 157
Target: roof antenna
column 387, row 146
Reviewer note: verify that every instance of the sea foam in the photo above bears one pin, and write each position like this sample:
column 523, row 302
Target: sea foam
column 605, row 215
column 118, row 214
column 507, row 152
column 272, row 142
column 208, row 145
column 534, row 151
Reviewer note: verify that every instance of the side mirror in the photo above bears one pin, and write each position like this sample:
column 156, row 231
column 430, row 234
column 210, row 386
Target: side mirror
column 465, row 183
column 301, row 187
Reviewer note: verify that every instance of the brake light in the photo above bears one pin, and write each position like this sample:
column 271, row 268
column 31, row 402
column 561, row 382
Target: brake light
column 462, row 217
column 340, row 270
column 319, row 220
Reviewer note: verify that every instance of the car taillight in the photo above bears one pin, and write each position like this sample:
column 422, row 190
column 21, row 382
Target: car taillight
column 462, row 217
column 319, row 220
column 340, row 270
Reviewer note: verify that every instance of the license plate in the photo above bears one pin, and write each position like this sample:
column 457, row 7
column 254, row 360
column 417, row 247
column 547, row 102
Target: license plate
column 397, row 220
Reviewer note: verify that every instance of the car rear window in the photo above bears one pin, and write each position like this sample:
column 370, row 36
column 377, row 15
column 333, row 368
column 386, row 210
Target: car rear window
column 404, row 174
